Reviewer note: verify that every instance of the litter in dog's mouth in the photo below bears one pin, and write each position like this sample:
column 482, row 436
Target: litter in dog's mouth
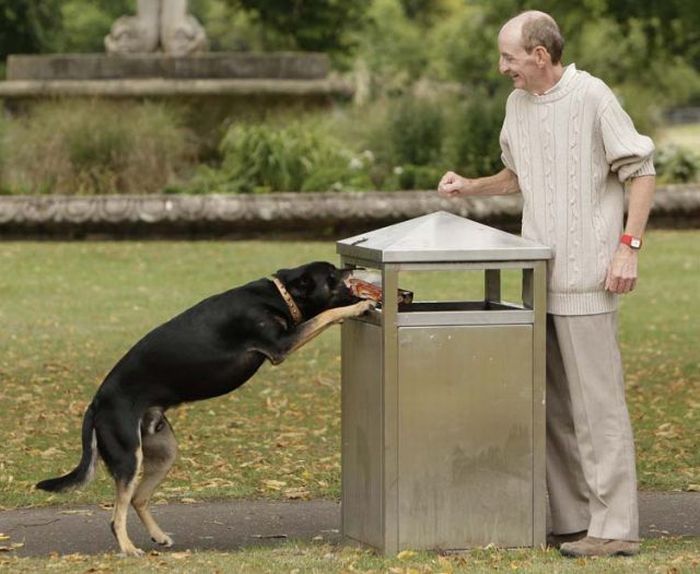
column 365, row 289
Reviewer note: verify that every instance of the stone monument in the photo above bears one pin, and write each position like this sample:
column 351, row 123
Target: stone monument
column 162, row 52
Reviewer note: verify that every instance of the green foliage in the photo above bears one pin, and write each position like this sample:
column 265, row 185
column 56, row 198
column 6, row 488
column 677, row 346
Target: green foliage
column 672, row 26
column 392, row 47
column 85, row 24
column 231, row 29
column 316, row 25
column 473, row 144
column 411, row 176
column 463, row 49
column 675, row 164
column 28, row 26
column 415, row 129
column 426, row 12
column 295, row 157
column 95, row 147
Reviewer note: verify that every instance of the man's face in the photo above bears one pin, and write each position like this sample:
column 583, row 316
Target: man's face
column 515, row 62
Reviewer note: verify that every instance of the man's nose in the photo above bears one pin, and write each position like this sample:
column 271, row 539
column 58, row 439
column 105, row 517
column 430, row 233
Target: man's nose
column 502, row 66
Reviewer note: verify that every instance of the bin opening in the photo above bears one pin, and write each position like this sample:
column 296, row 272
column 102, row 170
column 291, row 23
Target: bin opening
column 429, row 306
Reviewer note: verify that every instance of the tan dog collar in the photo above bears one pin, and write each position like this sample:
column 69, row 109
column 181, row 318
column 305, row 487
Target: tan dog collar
column 293, row 308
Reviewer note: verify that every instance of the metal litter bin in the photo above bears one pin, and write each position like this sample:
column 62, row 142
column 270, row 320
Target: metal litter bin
column 443, row 403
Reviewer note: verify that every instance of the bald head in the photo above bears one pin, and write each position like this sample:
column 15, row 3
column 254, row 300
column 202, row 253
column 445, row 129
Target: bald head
column 534, row 28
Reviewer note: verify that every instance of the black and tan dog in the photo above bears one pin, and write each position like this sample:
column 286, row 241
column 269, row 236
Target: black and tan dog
column 207, row 351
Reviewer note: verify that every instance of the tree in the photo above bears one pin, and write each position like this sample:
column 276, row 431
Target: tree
column 314, row 25
column 28, row 26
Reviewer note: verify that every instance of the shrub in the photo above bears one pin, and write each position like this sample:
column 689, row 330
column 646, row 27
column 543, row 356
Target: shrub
column 418, row 176
column 415, row 129
column 28, row 26
column 472, row 145
column 675, row 164
column 294, row 157
column 94, row 147
column 316, row 25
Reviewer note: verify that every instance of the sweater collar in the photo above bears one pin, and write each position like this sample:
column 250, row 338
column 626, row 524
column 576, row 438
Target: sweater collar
column 558, row 90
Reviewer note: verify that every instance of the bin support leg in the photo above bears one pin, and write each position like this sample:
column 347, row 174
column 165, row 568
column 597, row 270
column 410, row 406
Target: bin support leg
column 390, row 285
column 535, row 298
column 492, row 285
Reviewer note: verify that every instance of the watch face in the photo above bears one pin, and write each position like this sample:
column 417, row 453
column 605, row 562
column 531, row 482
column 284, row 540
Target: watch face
column 635, row 243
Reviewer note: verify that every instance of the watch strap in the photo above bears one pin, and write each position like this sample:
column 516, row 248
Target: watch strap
column 631, row 241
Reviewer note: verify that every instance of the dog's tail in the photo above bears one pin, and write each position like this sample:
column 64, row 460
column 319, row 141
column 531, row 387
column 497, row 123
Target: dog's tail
column 84, row 472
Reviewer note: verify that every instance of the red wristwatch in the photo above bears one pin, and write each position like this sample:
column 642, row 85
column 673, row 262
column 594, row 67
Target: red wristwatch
column 633, row 242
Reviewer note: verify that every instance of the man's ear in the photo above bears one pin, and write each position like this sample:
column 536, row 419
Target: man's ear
column 542, row 57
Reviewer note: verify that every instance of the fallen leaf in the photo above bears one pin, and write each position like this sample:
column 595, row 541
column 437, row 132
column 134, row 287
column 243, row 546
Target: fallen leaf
column 296, row 493
column 179, row 555
column 274, row 484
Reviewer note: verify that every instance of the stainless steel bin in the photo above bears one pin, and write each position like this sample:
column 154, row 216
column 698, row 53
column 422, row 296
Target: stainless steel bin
column 443, row 403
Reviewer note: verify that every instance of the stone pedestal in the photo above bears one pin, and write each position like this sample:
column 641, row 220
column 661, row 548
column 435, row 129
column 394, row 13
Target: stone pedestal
column 282, row 75
column 222, row 65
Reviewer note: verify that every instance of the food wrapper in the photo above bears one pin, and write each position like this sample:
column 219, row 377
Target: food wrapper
column 367, row 290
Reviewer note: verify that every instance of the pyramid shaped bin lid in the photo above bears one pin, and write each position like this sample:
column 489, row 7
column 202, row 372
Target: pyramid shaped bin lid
column 440, row 237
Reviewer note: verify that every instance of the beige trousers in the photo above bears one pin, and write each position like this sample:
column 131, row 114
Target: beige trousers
column 591, row 476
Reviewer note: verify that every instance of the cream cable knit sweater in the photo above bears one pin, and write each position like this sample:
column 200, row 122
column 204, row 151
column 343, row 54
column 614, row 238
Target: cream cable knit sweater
column 572, row 148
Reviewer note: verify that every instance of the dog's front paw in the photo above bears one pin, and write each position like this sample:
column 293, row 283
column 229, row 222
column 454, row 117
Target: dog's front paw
column 363, row 307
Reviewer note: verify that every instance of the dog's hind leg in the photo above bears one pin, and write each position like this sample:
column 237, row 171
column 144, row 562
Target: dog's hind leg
column 119, row 442
column 159, row 451
column 125, row 492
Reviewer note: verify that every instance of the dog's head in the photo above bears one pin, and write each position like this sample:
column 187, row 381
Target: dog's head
column 317, row 286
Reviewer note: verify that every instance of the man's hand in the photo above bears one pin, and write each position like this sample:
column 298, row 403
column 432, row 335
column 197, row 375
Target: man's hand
column 622, row 273
column 453, row 185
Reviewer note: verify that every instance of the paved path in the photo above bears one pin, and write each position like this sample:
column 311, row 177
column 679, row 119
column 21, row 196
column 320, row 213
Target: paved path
column 232, row 525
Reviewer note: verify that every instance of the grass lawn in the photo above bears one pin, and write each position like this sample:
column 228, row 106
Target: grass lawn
column 674, row 556
column 69, row 310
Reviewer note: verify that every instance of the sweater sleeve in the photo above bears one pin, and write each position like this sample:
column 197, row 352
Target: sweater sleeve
column 504, row 140
column 628, row 153
column 506, row 155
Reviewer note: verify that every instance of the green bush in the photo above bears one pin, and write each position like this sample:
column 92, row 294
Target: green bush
column 295, row 157
column 415, row 128
column 418, row 176
column 28, row 26
column 472, row 145
column 675, row 164
column 314, row 25
column 94, row 147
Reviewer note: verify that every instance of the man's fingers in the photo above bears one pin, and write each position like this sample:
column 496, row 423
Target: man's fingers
column 447, row 183
column 620, row 285
column 448, row 192
column 608, row 281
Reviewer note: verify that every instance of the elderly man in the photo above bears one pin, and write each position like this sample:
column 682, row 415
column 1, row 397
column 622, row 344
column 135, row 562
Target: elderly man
column 569, row 147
